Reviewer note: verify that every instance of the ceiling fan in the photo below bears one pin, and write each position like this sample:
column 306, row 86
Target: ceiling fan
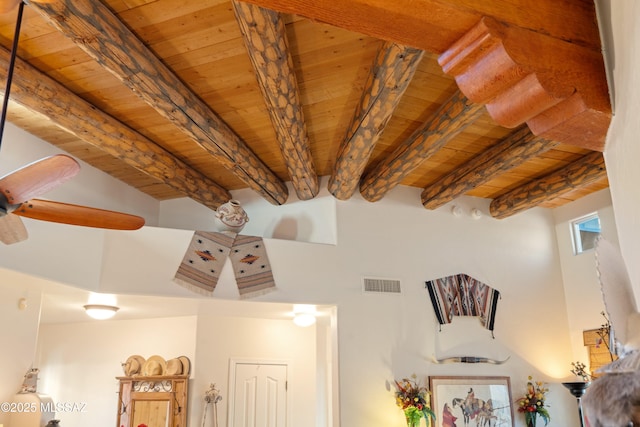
column 19, row 188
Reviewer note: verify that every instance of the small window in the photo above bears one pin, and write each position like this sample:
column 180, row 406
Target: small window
column 585, row 232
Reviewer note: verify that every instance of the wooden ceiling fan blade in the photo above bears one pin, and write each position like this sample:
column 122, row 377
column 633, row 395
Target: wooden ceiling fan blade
column 12, row 229
column 38, row 177
column 66, row 213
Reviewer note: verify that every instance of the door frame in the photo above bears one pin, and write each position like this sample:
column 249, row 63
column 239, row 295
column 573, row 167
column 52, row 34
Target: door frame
column 234, row 361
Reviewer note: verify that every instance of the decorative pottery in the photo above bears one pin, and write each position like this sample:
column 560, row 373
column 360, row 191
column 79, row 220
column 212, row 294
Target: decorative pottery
column 230, row 217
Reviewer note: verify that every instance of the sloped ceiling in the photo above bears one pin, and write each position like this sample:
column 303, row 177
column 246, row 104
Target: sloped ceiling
column 496, row 100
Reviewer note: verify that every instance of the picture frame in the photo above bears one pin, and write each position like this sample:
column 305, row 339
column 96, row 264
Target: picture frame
column 472, row 400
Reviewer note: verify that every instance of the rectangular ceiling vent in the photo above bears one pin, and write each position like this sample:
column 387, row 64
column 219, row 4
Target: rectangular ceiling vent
column 381, row 286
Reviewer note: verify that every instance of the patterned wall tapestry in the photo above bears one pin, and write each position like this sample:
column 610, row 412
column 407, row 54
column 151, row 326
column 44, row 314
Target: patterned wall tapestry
column 462, row 295
column 207, row 253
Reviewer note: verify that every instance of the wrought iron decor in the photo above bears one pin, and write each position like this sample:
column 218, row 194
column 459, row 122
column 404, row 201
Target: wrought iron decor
column 152, row 386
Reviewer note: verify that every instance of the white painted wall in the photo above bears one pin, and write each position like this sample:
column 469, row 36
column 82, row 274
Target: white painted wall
column 18, row 333
column 80, row 361
column 399, row 239
column 305, row 221
column 222, row 338
column 582, row 287
column 383, row 337
column 621, row 35
column 380, row 337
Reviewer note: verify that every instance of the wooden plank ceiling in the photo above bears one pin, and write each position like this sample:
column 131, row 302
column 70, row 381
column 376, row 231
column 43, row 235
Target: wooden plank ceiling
column 494, row 100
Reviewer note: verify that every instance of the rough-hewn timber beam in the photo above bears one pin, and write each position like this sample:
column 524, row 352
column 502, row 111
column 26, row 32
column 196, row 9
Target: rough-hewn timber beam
column 555, row 42
column 451, row 119
column 96, row 30
column 512, row 151
column 585, row 171
column 41, row 94
column 8, row 5
column 264, row 35
column 389, row 77
column 433, row 25
column 522, row 77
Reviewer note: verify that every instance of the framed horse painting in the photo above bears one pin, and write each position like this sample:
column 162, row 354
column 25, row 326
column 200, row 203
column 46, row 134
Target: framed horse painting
column 471, row 401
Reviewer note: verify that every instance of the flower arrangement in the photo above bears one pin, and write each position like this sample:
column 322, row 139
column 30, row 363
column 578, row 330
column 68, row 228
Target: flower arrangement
column 411, row 397
column 606, row 338
column 532, row 403
column 579, row 369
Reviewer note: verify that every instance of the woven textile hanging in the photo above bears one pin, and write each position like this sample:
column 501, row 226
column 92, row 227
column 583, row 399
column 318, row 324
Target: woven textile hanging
column 207, row 254
column 462, row 295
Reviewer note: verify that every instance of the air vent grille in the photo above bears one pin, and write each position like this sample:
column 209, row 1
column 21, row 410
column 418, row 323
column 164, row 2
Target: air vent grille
column 385, row 286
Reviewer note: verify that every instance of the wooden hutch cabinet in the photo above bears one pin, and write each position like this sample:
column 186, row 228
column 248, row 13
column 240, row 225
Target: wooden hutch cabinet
column 155, row 401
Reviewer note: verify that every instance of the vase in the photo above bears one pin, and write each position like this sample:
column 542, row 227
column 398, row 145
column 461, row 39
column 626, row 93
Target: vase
column 530, row 419
column 413, row 423
column 230, row 217
column 413, row 417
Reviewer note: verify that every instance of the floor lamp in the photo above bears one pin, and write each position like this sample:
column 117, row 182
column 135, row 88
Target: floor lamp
column 577, row 389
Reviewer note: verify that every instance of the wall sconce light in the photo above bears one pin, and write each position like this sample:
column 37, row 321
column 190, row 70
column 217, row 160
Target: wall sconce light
column 304, row 315
column 101, row 312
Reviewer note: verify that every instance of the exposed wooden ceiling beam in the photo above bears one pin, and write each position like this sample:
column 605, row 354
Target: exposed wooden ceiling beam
column 512, row 151
column 526, row 65
column 266, row 40
column 557, row 43
column 38, row 92
column 451, row 119
column 584, row 171
column 557, row 88
column 389, row 77
column 95, row 29
column 8, row 5
column 433, row 25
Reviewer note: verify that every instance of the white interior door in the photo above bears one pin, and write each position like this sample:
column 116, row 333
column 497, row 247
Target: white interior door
column 260, row 395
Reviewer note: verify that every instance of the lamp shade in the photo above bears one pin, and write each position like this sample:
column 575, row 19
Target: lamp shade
column 100, row 312
column 304, row 314
column 304, row 319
